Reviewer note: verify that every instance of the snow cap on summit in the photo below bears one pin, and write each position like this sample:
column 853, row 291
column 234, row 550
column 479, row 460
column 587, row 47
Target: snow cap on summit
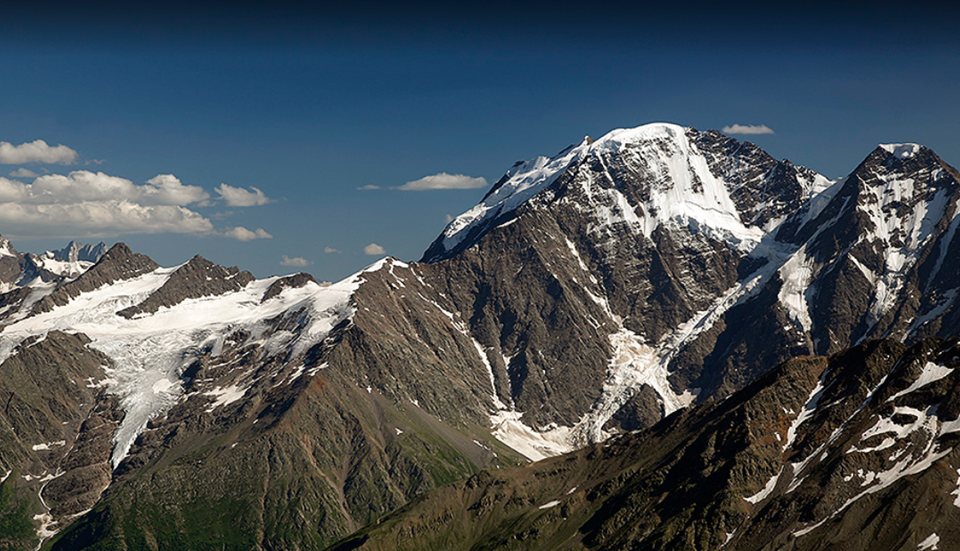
column 901, row 150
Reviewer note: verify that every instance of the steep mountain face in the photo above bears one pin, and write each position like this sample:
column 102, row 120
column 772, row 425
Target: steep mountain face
column 632, row 275
column 632, row 245
column 881, row 259
column 855, row 451
column 588, row 295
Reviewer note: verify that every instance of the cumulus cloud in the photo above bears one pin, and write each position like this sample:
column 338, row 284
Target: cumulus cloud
column 87, row 204
column 374, row 250
column 89, row 218
column 24, row 173
column 167, row 189
column 747, row 129
column 239, row 197
column 444, row 181
column 330, row 250
column 36, row 151
column 243, row 234
column 83, row 185
column 297, row 261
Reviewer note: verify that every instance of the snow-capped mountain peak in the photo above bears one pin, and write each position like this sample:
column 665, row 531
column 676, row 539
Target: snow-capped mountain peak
column 901, row 150
column 684, row 185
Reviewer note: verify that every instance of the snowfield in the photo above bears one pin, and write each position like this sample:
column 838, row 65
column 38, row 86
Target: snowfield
column 150, row 352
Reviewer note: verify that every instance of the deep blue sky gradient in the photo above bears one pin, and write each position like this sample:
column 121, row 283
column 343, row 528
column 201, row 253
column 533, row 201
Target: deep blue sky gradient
column 309, row 105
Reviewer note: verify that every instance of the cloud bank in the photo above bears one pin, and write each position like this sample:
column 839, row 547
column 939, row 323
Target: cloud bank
column 444, row 181
column 37, row 151
column 374, row 250
column 749, row 129
column 83, row 203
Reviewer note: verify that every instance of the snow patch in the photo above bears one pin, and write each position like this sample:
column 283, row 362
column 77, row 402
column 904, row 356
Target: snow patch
column 806, row 412
column 48, row 445
column 224, row 396
column 929, row 543
column 797, row 273
column 767, row 489
column 533, row 444
column 931, row 373
column 956, row 492
column 549, row 505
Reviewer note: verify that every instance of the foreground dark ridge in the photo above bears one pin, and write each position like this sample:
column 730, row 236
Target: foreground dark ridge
column 857, row 451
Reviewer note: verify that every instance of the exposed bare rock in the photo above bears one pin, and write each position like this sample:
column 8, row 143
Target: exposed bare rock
column 197, row 278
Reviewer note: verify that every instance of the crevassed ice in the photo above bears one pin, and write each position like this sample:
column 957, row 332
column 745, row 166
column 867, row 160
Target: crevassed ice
column 150, row 352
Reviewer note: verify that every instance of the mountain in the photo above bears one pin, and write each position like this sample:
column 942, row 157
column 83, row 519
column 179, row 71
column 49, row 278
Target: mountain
column 853, row 451
column 589, row 295
column 202, row 399
column 27, row 269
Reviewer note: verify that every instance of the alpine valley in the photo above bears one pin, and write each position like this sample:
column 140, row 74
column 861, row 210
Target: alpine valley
column 660, row 339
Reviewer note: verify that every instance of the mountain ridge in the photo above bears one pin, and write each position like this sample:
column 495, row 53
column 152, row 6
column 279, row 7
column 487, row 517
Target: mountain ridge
column 643, row 273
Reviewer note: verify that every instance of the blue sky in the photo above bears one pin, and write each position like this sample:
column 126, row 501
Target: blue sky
column 309, row 106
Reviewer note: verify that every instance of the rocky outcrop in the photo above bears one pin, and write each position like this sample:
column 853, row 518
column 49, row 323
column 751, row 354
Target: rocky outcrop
column 117, row 264
column 196, row 279
column 290, row 281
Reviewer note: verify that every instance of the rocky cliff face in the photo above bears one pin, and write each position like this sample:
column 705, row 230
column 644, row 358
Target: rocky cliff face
column 854, row 451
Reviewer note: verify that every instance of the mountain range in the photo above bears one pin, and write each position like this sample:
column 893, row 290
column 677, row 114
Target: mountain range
column 699, row 345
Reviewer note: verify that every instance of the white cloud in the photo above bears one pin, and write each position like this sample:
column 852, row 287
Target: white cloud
column 23, row 173
column 84, row 203
column 89, row 218
column 448, row 218
column 374, row 250
column 368, row 187
column 747, row 129
column 239, row 197
column 35, row 152
column 330, row 250
column 243, row 234
column 83, row 185
column 166, row 189
column 297, row 261
column 94, row 204
column 444, row 181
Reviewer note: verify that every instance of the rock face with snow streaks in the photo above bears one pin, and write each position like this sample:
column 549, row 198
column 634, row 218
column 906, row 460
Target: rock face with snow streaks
column 698, row 260
column 856, row 451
